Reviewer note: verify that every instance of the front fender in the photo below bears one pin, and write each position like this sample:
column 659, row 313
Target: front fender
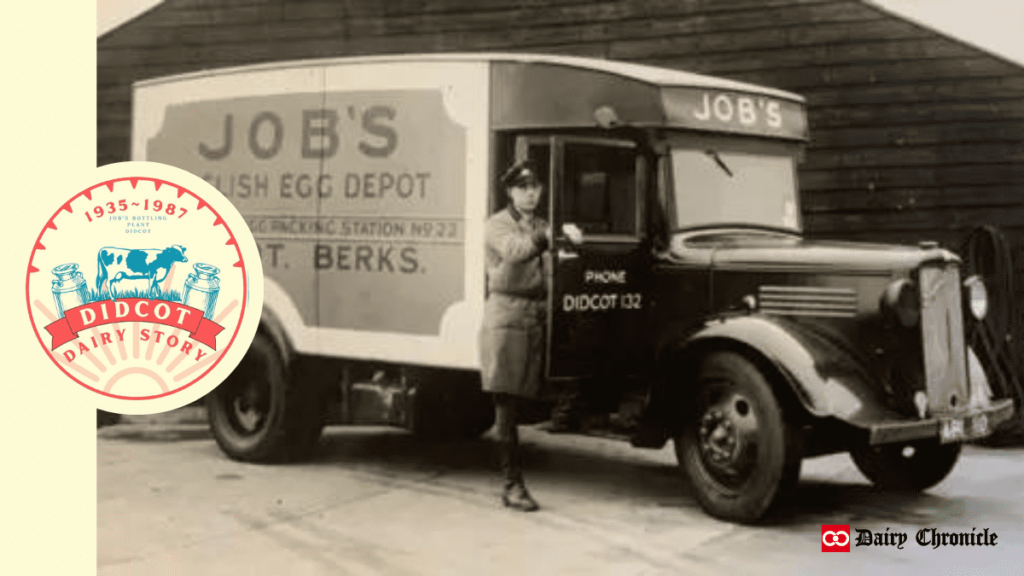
column 827, row 380
column 824, row 376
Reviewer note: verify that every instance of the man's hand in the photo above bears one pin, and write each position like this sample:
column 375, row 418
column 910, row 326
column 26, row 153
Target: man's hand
column 573, row 233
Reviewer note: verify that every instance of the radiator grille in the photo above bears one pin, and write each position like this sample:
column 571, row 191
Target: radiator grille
column 945, row 357
column 808, row 301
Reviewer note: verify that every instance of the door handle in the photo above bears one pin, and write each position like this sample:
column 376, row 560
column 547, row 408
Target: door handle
column 564, row 254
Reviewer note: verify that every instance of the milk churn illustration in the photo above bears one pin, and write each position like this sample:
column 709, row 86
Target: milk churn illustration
column 201, row 289
column 69, row 289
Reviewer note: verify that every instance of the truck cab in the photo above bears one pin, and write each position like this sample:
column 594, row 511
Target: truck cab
column 693, row 310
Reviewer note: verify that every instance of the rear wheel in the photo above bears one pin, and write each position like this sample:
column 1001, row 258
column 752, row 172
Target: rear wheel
column 736, row 447
column 913, row 466
column 259, row 414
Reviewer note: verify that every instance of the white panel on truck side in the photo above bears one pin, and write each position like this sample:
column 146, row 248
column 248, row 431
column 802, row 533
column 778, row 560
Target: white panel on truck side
column 365, row 185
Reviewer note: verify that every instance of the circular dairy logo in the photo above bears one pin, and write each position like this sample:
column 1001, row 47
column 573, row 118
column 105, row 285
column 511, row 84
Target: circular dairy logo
column 145, row 287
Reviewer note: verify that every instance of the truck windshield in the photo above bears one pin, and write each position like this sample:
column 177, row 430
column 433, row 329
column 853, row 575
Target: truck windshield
column 734, row 182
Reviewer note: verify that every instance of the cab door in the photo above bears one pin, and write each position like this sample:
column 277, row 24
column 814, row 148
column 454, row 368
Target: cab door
column 596, row 301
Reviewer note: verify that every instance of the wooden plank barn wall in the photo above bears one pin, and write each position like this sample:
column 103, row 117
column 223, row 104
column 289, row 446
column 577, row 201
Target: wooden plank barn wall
column 915, row 135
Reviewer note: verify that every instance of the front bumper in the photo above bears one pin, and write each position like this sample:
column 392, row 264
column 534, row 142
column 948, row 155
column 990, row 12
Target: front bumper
column 971, row 425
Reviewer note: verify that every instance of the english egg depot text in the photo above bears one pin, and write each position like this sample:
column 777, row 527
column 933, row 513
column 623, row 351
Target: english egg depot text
column 378, row 185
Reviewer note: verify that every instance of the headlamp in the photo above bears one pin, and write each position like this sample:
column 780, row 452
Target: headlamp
column 976, row 296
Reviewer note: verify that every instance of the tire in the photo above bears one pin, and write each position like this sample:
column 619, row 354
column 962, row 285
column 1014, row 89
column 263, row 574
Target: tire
column 735, row 446
column 450, row 406
column 894, row 467
column 260, row 415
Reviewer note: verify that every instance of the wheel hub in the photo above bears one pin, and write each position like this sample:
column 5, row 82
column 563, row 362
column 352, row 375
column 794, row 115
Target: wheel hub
column 248, row 406
column 247, row 415
column 727, row 436
column 718, row 438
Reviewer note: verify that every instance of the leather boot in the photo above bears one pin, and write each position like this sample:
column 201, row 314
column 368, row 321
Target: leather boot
column 517, row 497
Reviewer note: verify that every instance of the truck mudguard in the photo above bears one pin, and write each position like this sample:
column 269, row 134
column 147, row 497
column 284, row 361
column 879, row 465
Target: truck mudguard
column 827, row 381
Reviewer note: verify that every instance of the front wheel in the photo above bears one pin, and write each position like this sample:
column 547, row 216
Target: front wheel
column 913, row 466
column 259, row 414
column 736, row 447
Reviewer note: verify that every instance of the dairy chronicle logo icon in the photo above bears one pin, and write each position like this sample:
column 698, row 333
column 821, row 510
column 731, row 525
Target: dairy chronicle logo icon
column 145, row 287
column 835, row 537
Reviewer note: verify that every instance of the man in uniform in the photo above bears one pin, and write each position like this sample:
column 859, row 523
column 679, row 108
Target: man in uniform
column 512, row 337
column 515, row 315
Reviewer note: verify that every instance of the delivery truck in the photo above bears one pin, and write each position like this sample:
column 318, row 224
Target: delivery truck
column 692, row 311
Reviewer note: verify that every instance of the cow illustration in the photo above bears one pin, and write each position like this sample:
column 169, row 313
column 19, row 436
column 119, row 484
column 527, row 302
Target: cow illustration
column 117, row 264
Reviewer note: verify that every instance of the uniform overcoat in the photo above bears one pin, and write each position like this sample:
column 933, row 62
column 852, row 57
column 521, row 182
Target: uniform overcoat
column 515, row 315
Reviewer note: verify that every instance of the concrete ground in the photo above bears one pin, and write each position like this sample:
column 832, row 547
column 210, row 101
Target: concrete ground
column 382, row 502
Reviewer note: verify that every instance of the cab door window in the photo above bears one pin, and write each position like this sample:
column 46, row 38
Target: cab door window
column 599, row 189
